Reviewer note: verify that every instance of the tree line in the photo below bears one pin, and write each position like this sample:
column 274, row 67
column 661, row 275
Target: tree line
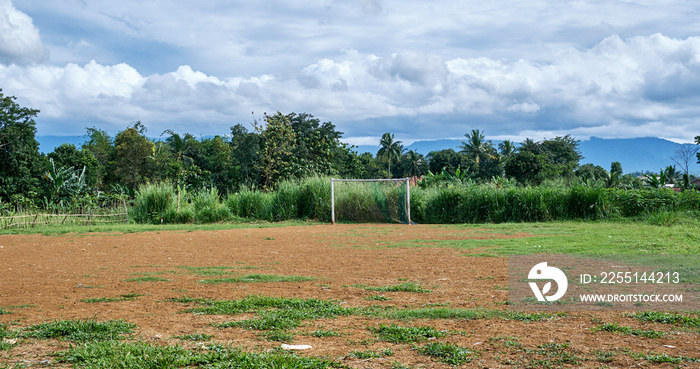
column 279, row 147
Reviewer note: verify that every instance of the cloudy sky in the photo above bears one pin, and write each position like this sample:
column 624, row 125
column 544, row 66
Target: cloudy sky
column 419, row 69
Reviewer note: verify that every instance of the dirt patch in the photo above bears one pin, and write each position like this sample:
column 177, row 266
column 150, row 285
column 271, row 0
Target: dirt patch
column 46, row 278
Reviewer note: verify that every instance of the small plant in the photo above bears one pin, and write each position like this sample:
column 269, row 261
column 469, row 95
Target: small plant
column 377, row 298
column 370, row 354
column 448, row 353
column 3, row 311
column 325, row 333
column 278, row 335
column 397, row 334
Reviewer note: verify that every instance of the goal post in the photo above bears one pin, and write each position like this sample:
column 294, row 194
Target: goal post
column 395, row 180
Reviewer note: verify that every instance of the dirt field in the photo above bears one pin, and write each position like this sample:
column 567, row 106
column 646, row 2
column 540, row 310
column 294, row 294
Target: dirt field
column 44, row 278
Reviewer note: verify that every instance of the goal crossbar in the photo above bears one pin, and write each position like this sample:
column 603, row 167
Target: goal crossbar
column 396, row 180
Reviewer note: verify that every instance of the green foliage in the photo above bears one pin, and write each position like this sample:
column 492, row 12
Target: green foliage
column 448, row 353
column 199, row 337
column 20, row 165
column 401, row 287
column 208, row 208
column 114, row 354
column 679, row 319
column 389, row 149
column 614, row 327
column 133, row 157
column 398, row 334
column 80, row 330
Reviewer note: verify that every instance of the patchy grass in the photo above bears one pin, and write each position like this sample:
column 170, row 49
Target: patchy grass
column 277, row 315
column 325, row 333
column 397, row 334
column 377, row 298
column 214, row 271
column 371, row 354
column 615, row 328
column 112, row 354
column 665, row 358
column 259, row 278
column 448, row 353
column 79, row 330
column 124, row 297
column 197, row 337
column 401, row 287
column 679, row 319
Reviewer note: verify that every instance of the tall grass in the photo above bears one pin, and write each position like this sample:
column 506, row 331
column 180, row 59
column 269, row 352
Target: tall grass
column 375, row 202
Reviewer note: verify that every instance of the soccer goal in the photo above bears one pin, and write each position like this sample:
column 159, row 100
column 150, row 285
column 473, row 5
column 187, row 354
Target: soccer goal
column 365, row 200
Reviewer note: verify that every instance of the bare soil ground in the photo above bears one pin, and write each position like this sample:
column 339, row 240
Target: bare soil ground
column 44, row 278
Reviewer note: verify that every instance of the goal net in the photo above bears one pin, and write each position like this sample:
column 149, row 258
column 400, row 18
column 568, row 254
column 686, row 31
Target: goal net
column 371, row 200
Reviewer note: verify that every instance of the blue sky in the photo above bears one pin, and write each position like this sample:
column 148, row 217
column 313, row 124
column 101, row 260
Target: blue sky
column 418, row 69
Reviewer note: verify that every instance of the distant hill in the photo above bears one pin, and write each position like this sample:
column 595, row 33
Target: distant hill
column 635, row 154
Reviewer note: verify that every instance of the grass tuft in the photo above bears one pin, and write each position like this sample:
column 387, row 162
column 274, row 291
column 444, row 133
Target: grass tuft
column 448, row 353
column 80, row 330
column 397, row 334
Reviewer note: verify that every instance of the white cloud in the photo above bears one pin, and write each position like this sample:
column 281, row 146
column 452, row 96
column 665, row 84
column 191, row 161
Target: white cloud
column 618, row 87
column 19, row 39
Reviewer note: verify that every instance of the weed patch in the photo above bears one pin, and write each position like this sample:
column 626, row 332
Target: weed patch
column 448, row 353
column 397, row 334
column 614, row 327
column 79, row 330
column 113, row 354
column 401, row 287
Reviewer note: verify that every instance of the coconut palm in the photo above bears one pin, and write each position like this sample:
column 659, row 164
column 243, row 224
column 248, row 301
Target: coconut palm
column 416, row 164
column 477, row 147
column 389, row 149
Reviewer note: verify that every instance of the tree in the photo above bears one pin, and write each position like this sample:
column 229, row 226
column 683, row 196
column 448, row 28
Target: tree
column 672, row 175
column 67, row 155
column 588, row 172
column 389, row 149
column 133, row 161
column 413, row 164
column 246, row 151
column 525, row 167
column 560, row 155
column 477, row 147
column 506, row 149
column 278, row 143
column 19, row 151
column 615, row 174
column 684, row 154
column 448, row 160
column 101, row 146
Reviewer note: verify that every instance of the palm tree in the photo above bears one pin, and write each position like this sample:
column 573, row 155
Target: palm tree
column 416, row 163
column 506, row 148
column 477, row 146
column 389, row 149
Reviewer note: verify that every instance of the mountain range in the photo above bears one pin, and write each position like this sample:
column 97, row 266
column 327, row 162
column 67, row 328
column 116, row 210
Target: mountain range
column 635, row 154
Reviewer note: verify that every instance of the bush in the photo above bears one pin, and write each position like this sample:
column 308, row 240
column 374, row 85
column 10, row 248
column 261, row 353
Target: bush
column 152, row 201
column 208, row 208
